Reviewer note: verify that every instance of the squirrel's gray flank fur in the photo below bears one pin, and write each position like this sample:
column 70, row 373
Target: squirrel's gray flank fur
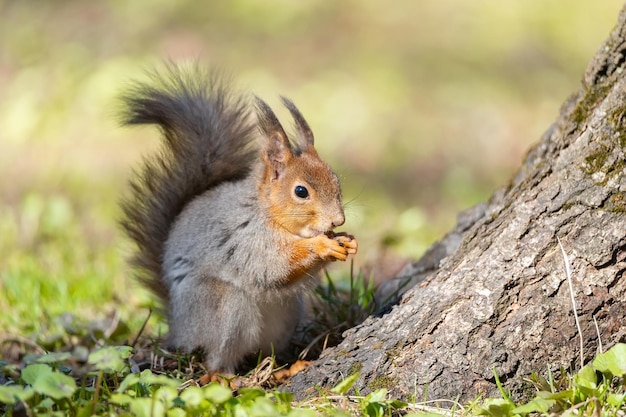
column 207, row 140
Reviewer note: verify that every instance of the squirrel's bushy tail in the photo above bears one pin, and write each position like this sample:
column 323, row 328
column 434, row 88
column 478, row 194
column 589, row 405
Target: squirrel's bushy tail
column 207, row 139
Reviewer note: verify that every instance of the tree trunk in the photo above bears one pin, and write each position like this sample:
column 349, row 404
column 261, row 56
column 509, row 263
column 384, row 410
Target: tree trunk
column 494, row 293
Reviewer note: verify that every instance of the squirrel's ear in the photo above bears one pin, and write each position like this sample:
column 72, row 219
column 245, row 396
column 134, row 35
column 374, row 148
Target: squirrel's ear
column 305, row 134
column 277, row 150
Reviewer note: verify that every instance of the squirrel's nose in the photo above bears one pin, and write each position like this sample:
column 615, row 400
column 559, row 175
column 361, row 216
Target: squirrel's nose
column 339, row 220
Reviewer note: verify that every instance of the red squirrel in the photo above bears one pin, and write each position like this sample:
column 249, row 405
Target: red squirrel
column 232, row 219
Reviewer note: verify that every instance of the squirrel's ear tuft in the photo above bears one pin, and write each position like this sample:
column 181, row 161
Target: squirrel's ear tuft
column 305, row 134
column 277, row 150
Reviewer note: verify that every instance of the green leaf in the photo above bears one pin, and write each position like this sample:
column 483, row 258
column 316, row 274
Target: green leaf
column 110, row 359
column 616, row 400
column 166, row 395
column 374, row 409
column 263, row 406
column 192, row 396
column 585, row 382
column 121, row 399
column 31, row 373
column 496, row 407
column 613, row 361
column 537, row 405
column 560, row 395
column 55, row 385
column 148, row 378
column 146, row 407
column 377, row 396
column 345, row 385
column 216, row 393
column 45, row 404
column 586, row 377
column 85, row 409
column 176, row 412
column 12, row 394
column 54, row 357
column 129, row 381
column 250, row 394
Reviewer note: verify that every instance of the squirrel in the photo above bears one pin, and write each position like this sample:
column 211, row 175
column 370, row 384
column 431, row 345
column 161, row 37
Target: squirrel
column 232, row 220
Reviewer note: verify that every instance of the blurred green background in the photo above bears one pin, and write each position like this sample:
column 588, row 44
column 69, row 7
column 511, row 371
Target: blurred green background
column 423, row 107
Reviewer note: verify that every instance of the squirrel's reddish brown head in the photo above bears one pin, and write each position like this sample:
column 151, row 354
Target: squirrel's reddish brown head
column 298, row 189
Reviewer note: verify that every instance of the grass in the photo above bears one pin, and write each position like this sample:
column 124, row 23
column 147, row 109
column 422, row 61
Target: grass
column 56, row 261
column 105, row 368
column 89, row 371
column 108, row 382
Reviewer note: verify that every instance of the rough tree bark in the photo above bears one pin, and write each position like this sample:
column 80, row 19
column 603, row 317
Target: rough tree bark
column 493, row 293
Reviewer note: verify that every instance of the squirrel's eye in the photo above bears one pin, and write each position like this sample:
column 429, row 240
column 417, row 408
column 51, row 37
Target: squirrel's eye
column 301, row 192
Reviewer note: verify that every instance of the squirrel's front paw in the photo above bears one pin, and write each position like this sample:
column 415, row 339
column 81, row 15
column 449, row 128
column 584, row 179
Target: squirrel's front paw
column 347, row 241
column 335, row 247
